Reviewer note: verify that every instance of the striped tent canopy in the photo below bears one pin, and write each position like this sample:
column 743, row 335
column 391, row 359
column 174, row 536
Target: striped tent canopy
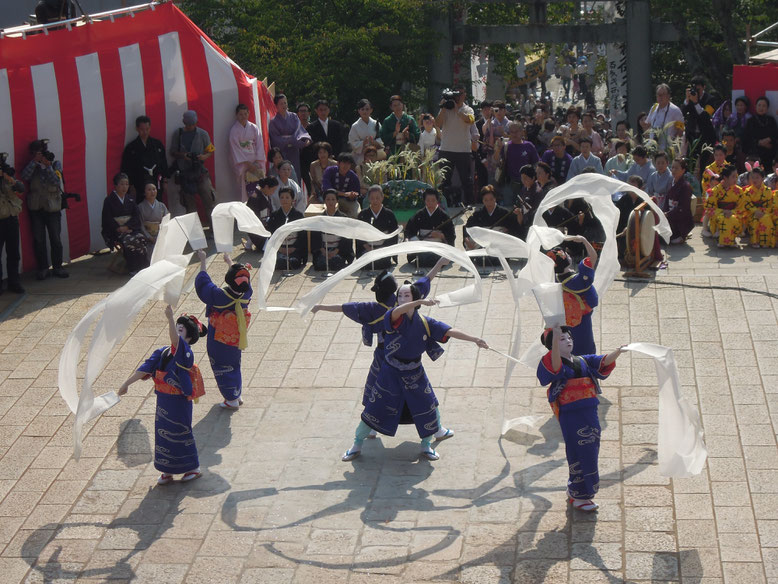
column 83, row 86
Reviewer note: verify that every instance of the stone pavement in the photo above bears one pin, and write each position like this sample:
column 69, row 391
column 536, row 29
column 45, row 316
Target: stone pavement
column 276, row 504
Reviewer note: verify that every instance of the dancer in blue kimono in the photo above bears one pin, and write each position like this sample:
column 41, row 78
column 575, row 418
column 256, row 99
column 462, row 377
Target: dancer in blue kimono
column 572, row 394
column 177, row 382
column 578, row 292
column 371, row 316
column 228, row 321
column 401, row 381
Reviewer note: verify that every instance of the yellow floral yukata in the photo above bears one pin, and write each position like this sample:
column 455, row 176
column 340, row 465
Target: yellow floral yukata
column 719, row 201
column 761, row 230
column 706, row 178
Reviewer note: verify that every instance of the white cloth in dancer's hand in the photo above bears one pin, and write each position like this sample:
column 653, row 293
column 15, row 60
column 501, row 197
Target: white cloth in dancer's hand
column 223, row 218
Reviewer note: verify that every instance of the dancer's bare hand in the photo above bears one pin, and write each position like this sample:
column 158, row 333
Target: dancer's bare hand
column 227, row 259
column 201, row 255
column 482, row 343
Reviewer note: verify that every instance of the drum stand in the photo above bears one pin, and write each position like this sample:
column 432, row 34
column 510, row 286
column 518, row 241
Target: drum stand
column 327, row 273
column 482, row 271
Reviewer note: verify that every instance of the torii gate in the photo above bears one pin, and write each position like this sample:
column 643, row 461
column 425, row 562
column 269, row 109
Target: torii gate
column 636, row 30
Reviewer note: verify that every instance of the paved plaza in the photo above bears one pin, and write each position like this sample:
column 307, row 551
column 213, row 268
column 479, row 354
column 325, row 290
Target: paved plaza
column 276, row 505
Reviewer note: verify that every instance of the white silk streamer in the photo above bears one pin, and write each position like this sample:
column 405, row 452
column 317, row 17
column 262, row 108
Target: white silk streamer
column 163, row 279
column 174, row 233
column 681, row 448
column 223, row 218
column 340, row 226
column 466, row 295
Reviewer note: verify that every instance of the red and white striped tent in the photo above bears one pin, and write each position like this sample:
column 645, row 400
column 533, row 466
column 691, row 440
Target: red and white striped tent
column 83, row 86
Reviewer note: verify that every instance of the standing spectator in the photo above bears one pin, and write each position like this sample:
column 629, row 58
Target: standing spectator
column 739, row 118
column 323, row 129
column 572, row 132
column 44, row 202
column 698, row 110
column 513, row 156
column 10, row 207
column 587, row 121
column 761, row 134
column 247, row 152
column 345, row 182
column 558, row 159
column 364, row 132
column 455, row 145
column 398, row 129
column 535, row 126
column 622, row 135
column 483, row 153
column 191, row 147
column 664, row 120
column 307, row 154
column 429, row 139
column 584, row 160
column 144, row 158
column 287, row 133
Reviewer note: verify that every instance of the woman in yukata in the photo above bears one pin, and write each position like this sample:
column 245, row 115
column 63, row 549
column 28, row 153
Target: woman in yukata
column 151, row 213
column 177, row 383
column 121, row 225
column 402, row 382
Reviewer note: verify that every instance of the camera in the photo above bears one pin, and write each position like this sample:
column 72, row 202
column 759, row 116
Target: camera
column 48, row 155
column 692, row 90
column 448, row 97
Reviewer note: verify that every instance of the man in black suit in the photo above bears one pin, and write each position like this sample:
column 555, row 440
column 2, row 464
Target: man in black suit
column 325, row 129
column 144, row 159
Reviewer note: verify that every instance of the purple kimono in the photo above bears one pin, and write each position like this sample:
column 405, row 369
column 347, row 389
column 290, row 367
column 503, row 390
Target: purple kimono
column 288, row 134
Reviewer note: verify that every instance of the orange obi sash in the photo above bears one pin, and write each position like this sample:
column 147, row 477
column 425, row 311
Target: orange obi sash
column 575, row 308
column 225, row 326
column 575, row 389
column 198, row 387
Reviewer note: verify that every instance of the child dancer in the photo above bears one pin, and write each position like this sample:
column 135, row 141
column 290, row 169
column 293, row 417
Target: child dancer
column 573, row 397
column 402, row 381
column 228, row 321
column 177, row 382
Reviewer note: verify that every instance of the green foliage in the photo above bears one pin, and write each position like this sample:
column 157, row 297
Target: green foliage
column 405, row 175
column 341, row 50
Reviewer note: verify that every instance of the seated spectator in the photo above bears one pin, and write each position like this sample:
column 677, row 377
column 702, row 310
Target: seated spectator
column 760, row 136
column 679, row 203
column 723, row 202
column 739, row 118
column 329, row 251
column 293, row 253
column 323, row 161
column 345, row 182
column 558, row 160
column 641, row 166
column 151, row 213
column 285, row 180
column 621, row 160
column 274, row 160
column 734, row 154
column 584, row 159
column 429, row 224
column 772, row 180
column 382, row 219
column 121, row 225
column 544, row 178
column 490, row 216
column 715, row 167
column 757, row 208
column 659, row 181
column 261, row 202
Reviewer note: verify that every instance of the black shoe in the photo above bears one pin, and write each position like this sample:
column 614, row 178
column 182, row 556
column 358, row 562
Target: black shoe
column 41, row 274
column 16, row 287
column 60, row 273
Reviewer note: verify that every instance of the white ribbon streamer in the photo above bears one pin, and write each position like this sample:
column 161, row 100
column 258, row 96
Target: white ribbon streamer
column 468, row 294
column 681, row 448
column 340, row 226
column 223, row 218
column 113, row 314
column 174, row 233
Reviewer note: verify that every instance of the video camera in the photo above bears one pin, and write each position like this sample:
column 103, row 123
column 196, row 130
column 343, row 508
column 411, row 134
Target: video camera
column 6, row 168
column 449, row 96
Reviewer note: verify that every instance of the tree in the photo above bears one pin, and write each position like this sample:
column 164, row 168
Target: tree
column 341, row 50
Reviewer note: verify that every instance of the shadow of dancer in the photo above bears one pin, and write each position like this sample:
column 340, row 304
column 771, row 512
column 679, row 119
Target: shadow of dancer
column 154, row 515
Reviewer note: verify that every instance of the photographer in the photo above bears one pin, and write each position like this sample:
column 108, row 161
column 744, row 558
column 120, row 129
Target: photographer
column 10, row 207
column 45, row 202
column 191, row 147
column 454, row 119
column 698, row 109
